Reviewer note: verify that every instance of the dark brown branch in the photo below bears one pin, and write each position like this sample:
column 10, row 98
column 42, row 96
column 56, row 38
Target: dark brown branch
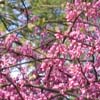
column 27, row 16
column 70, row 27
column 42, row 88
column 50, row 89
column 68, row 31
column 49, row 72
column 41, row 59
column 95, row 72
column 57, row 96
column 2, row 2
column 4, row 85
column 10, row 80
column 15, row 65
column 68, row 75
column 3, row 21
column 88, row 83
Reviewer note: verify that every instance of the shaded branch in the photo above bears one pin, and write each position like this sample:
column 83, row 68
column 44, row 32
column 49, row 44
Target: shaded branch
column 10, row 80
column 42, row 88
column 27, row 16
column 50, row 90
column 95, row 72
column 70, row 27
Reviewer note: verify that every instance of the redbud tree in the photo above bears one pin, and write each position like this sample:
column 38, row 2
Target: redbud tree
column 50, row 50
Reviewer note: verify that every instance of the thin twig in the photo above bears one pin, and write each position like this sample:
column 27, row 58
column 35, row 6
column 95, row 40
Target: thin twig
column 16, row 30
column 10, row 80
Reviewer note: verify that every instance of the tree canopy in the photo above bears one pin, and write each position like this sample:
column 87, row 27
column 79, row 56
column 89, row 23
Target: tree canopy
column 49, row 50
